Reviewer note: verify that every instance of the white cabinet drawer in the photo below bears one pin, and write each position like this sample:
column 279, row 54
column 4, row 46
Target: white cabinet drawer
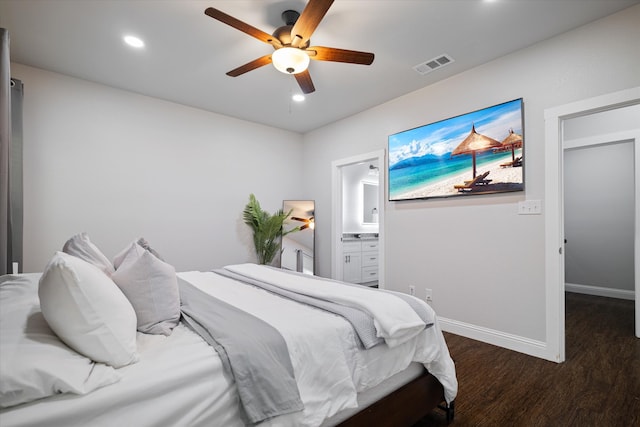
column 370, row 259
column 351, row 246
column 369, row 245
column 369, row 274
column 360, row 261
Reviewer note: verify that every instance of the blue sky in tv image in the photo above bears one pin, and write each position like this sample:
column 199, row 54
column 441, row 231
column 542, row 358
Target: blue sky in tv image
column 422, row 156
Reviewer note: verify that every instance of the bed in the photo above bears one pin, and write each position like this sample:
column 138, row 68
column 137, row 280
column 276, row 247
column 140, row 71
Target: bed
column 178, row 378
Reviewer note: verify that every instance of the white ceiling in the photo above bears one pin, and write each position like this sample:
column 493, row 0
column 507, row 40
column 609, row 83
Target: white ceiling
column 188, row 53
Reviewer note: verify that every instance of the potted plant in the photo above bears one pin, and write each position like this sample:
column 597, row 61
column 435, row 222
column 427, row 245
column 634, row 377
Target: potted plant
column 267, row 229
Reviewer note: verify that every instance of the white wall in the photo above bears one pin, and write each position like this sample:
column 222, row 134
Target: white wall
column 120, row 165
column 484, row 262
column 601, row 123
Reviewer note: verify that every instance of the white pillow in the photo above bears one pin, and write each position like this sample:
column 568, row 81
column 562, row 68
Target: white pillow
column 87, row 311
column 81, row 247
column 34, row 363
column 151, row 286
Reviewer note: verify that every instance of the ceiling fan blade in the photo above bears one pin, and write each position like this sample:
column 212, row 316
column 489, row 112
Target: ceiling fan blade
column 256, row 63
column 304, row 80
column 321, row 53
column 308, row 21
column 242, row 26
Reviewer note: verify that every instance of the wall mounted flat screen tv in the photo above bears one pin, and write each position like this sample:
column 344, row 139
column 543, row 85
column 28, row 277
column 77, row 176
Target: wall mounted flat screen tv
column 481, row 152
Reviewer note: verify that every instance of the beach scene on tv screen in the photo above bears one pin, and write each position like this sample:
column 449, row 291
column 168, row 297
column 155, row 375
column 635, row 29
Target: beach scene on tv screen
column 475, row 153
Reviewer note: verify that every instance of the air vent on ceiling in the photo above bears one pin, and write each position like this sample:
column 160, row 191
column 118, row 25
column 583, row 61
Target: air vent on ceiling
column 433, row 64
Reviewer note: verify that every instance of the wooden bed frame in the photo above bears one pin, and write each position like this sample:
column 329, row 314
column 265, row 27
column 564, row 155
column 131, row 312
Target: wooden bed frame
column 405, row 406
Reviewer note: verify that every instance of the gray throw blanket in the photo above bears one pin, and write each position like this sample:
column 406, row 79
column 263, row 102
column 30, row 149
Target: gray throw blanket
column 361, row 321
column 251, row 350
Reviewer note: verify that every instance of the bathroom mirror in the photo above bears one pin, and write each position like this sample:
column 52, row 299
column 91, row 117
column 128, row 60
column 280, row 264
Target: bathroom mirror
column 369, row 202
column 298, row 248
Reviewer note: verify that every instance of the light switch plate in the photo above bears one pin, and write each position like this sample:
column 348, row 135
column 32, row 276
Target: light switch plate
column 530, row 207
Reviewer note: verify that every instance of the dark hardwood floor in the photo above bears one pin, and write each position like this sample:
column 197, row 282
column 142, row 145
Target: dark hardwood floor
column 598, row 385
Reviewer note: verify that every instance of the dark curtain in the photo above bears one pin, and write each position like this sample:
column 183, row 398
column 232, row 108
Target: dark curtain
column 11, row 216
column 15, row 226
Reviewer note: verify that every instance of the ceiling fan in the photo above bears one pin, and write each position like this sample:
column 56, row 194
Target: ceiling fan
column 308, row 222
column 291, row 43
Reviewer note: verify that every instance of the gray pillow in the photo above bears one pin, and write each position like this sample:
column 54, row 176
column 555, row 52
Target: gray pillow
column 117, row 260
column 142, row 242
column 80, row 246
column 151, row 285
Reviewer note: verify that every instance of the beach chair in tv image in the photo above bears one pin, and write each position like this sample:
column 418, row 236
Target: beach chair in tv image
column 478, row 180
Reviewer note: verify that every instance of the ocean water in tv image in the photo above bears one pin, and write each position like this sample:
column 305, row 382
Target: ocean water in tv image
column 409, row 178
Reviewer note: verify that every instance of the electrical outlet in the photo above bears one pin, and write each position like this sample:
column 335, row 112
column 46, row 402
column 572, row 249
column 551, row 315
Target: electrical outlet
column 428, row 295
column 412, row 290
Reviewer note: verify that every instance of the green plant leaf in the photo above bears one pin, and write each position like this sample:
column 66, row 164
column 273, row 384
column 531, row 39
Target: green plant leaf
column 267, row 229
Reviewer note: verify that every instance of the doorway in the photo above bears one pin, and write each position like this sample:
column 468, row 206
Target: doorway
column 555, row 120
column 340, row 169
column 599, row 205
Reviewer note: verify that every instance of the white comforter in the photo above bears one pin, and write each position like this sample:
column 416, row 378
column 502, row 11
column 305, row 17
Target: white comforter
column 180, row 379
column 394, row 319
column 340, row 368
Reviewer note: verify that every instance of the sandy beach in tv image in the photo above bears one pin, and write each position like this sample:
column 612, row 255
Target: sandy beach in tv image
column 476, row 153
column 504, row 179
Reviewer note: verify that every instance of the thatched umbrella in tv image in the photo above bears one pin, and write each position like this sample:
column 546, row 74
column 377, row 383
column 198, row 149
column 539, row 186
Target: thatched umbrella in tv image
column 512, row 141
column 475, row 143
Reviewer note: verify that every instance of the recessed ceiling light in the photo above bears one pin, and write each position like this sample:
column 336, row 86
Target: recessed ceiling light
column 298, row 97
column 134, row 41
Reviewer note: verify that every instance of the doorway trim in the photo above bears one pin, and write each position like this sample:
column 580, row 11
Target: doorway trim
column 554, row 221
column 336, row 217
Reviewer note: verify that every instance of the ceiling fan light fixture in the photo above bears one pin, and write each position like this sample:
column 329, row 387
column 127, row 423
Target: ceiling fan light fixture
column 290, row 60
column 133, row 41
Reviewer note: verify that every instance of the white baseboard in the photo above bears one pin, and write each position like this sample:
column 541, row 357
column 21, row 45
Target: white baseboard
column 600, row 291
column 501, row 339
